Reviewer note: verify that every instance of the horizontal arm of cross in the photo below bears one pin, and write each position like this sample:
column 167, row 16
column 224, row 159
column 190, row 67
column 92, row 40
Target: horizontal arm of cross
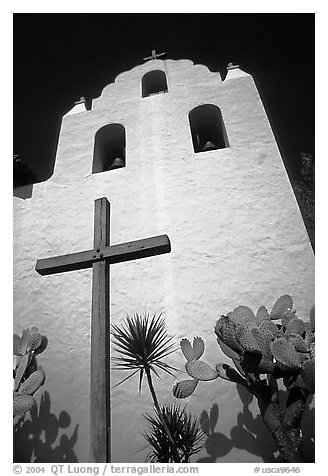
column 112, row 254
column 154, row 55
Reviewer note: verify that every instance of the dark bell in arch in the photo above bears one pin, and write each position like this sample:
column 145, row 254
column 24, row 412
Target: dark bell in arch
column 208, row 146
column 117, row 163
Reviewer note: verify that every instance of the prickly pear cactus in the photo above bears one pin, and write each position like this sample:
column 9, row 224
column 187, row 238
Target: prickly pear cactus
column 281, row 339
column 201, row 370
column 197, row 369
column 276, row 343
column 28, row 376
column 285, row 354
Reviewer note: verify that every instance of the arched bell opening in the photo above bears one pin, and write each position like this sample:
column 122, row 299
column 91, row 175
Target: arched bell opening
column 207, row 128
column 153, row 82
column 109, row 148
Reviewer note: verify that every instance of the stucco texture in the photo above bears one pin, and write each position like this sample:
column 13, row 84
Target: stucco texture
column 236, row 233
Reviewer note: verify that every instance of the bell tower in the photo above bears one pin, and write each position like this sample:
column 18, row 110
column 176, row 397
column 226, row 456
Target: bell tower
column 176, row 150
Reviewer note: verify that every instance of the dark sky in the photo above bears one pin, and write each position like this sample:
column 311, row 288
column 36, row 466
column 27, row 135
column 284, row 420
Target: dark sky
column 60, row 57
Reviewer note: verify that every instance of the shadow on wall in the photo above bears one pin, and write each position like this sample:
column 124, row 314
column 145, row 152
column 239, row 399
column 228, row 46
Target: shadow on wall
column 250, row 434
column 34, row 439
column 24, row 192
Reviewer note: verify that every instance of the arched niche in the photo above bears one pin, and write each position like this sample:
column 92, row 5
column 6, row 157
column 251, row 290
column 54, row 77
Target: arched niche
column 153, row 82
column 207, row 128
column 109, row 148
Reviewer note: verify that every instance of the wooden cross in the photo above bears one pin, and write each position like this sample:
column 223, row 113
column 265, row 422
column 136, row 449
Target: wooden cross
column 99, row 259
column 154, row 55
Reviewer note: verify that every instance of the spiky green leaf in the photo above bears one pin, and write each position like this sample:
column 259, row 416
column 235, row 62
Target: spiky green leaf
column 185, row 431
column 142, row 343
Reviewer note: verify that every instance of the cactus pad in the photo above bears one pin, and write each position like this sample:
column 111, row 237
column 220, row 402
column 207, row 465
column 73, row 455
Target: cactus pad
column 34, row 381
column 22, row 404
column 41, row 348
column 228, row 373
column 287, row 317
column 187, row 349
column 263, row 339
column 34, row 342
column 279, row 333
column 268, row 327
column 308, row 328
column 256, row 363
column 225, row 330
column 247, row 340
column 283, row 304
column 227, row 350
column 243, row 315
column 285, row 354
column 308, row 375
column 312, row 350
column 24, row 341
column 184, row 388
column 303, row 356
column 201, row 370
column 293, row 413
column 262, row 314
column 23, row 364
column 266, row 365
column 299, row 343
column 198, row 347
column 312, row 319
column 295, row 326
column 15, row 363
column 17, row 344
column 239, row 367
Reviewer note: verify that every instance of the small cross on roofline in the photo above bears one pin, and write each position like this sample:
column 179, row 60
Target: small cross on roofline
column 232, row 66
column 82, row 100
column 153, row 56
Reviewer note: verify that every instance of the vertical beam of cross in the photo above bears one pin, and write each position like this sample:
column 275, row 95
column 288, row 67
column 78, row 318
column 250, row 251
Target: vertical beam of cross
column 100, row 363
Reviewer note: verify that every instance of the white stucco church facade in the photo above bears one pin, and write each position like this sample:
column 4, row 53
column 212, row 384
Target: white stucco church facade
column 176, row 150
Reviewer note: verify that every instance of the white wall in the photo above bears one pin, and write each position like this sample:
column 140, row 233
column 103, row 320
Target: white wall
column 235, row 228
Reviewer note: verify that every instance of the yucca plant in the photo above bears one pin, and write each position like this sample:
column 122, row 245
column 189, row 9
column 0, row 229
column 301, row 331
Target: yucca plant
column 142, row 343
column 185, row 431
